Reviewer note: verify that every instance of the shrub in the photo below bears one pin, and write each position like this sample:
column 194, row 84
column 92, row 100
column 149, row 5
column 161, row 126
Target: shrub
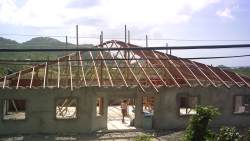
column 143, row 138
column 197, row 129
column 228, row 134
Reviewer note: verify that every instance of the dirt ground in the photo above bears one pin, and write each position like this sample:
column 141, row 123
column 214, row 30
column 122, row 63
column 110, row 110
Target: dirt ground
column 112, row 136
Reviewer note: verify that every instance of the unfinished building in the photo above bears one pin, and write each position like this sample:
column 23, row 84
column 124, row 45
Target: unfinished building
column 72, row 94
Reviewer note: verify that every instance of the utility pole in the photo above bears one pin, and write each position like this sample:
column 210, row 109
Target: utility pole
column 146, row 40
column 77, row 55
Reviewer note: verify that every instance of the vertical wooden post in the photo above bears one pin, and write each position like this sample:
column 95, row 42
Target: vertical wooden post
column 58, row 73
column 4, row 81
column 77, row 43
column 32, row 76
column 101, row 44
column 66, row 41
column 78, row 63
column 128, row 36
column 45, row 74
column 146, row 40
column 125, row 30
column 166, row 48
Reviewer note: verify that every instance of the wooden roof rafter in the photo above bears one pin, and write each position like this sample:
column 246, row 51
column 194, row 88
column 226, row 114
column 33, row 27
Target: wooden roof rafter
column 177, row 69
column 95, row 69
column 107, row 69
column 152, row 67
column 144, row 72
column 117, row 66
column 166, row 69
column 83, row 72
column 138, row 82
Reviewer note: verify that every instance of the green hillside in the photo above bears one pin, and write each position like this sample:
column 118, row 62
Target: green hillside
column 242, row 70
column 37, row 43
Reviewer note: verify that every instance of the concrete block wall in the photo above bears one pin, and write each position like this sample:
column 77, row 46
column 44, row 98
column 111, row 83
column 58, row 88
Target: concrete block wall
column 40, row 111
column 40, row 108
column 167, row 113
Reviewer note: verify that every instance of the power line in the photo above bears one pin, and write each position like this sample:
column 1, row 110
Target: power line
column 132, row 48
column 110, row 37
column 190, row 58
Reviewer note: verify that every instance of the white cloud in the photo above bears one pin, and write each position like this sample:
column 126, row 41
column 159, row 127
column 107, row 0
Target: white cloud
column 226, row 13
column 56, row 13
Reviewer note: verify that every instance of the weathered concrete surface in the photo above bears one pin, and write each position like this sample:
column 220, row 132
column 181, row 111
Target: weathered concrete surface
column 40, row 108
column 167, row 113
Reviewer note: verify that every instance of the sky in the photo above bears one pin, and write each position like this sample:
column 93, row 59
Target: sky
column 173, row 21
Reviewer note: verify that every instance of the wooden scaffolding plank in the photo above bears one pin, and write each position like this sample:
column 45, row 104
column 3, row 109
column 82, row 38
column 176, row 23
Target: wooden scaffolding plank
column 32, row 77
column 127, row 64
column 83, row 73
column 166, row 69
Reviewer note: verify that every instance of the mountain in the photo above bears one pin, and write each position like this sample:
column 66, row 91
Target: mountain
column 34, row 43
column 239, row 70
column 8, row 43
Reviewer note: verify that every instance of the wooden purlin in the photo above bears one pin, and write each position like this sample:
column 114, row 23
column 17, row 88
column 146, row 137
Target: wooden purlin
column 196, row 78
column 152, row 67
column 83, row 73
column 18, row 80
column 173, row 64
column 105, row 64
column 229, row 77
column 117, row 66
column 218, row 76
column 32, row 77
column 145, row 73
column 45, row 75
column 96, row 72
column 58, row 73
column 203, row 74
column 138, row 82
column 166, row 69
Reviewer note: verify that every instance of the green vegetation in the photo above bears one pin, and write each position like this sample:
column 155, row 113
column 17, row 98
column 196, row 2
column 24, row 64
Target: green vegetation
column 37, row 43
column 228, row 134
column 239, row 70
column 143, row 138
column 242, row 70
column 197, row 129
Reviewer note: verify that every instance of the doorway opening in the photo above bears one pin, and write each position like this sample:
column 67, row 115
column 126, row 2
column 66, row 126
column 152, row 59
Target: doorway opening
column 115, row 114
